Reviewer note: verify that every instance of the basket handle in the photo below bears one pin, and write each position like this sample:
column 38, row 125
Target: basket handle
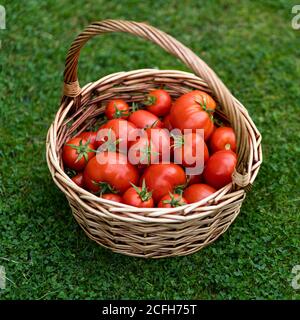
column 72, row 89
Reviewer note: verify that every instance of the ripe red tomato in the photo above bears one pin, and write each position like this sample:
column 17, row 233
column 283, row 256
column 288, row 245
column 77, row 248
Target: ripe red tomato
column 78, row 179
column 193, row 110
column 171, row 200
column 76, row 153
column 109, row 171
column 167, row 123
column 197, row 192
column 163, row 178
column 116, row 109
column 145, row 119
column 122, row 130
column 160, row 139
column 88, row 136
column 219, row 168
column 158, row 102
column 199, row 97
column 223, row 138
column 142, row 153
column 189, row 149
column 152, row 147
column 138, row 197
column 112, row 197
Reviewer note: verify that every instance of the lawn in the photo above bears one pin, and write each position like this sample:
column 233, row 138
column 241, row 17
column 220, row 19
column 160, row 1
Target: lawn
column 252, row 47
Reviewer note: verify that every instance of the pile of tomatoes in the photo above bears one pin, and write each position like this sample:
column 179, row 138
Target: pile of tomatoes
column 100, row 162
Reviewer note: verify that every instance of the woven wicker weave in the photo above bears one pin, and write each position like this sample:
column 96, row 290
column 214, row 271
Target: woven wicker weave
column 152, row 232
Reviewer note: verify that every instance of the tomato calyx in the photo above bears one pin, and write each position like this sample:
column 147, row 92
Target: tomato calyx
column 82, row 150
column 143, row 192
column 150, row 100
column 178, row 140
column 109, row 144
column 119, row 113
column 153, row 125
column 134, row 107
column 179, row 189
column 203, row 105
column 174, row 202
column 147, row 152
column 105, row 187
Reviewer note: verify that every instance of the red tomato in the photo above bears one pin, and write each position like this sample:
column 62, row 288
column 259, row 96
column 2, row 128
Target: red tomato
column 142, row 153
column 197, row 192
column 189, row 149
column 78, row 179
column 163, row 178
column 158, row 102
column 112, row 197
column 122, row 131
column 161, row 141
column 145, row 119
column 109, row 171
column 193, row 110
column 196, row 96
column 152, row 147
column 117, row 108
column 167, row 123
column 219, row 168
column 88, row 136
column 171, row 200
column 76, row 153
column 138, row 197
column 223, row 138
column 193, row 179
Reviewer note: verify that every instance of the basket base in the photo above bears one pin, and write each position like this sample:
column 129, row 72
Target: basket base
column 182, row 244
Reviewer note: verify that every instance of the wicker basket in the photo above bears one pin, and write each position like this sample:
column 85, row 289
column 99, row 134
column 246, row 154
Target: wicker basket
column 150, row 233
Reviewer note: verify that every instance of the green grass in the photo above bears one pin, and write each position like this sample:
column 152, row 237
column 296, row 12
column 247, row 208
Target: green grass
column 252, row 47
